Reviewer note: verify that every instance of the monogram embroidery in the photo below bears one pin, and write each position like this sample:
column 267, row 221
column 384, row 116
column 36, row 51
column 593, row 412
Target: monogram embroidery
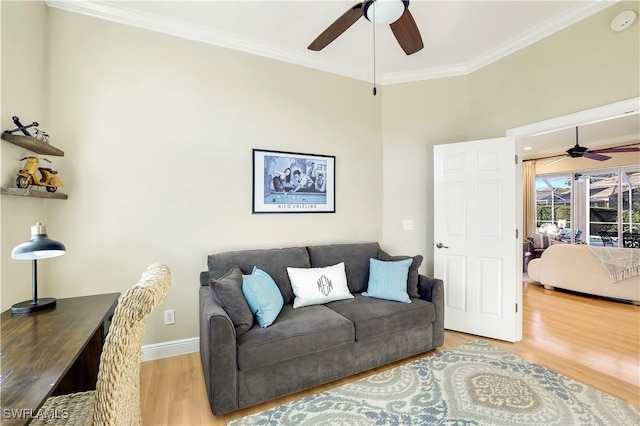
column 324, row 285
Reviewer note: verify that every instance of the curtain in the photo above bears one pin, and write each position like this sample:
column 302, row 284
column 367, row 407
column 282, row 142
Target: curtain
column 529, row 197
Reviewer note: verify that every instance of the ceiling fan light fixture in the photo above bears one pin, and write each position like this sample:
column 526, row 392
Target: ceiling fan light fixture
column 385, row 11
column 577, row 151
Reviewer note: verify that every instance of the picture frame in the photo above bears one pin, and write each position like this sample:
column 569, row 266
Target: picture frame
column 293, row 182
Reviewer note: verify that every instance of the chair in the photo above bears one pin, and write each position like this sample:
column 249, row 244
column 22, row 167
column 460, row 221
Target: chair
column 566, row 237
column 606, row 239
column 631, row 240
column 576, row 238
column 116, row 400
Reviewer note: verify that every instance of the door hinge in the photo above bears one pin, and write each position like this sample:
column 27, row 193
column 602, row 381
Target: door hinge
column 516, row 234
column 516, row 158
column 516, row 308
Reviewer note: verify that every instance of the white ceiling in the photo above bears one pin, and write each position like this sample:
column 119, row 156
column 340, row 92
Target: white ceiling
column 459, row 37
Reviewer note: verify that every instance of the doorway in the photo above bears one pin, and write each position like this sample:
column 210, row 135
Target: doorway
column 542, row 137
column 623, row 114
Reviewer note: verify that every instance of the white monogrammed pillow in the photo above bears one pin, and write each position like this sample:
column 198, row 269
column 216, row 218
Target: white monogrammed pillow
column 315, row 286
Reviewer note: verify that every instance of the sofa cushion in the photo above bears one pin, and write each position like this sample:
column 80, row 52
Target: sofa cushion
column 227, row 291
column 375, row 317
column 263, row 296
column 355, row 257
column 296, row 332
column 412, row 279
column 315, row 286
column 541, row 241
column 272, row 261
column 388, row 280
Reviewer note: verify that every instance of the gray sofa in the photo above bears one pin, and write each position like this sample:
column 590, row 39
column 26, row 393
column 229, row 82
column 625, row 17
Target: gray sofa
column 309, row 346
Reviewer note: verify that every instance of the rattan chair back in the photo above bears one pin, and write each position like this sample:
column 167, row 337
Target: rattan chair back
column 116, row 400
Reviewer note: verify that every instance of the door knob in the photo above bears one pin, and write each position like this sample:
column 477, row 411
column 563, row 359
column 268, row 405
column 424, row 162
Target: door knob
column 440, row 245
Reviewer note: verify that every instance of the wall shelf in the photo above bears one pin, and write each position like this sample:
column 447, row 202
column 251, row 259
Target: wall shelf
column 39, row 147
column 33, row 192
column 33, row 144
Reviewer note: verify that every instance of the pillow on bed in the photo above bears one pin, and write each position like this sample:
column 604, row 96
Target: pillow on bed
column 315, row 286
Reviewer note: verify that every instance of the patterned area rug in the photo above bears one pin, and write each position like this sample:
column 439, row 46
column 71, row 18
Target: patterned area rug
column 473, row 384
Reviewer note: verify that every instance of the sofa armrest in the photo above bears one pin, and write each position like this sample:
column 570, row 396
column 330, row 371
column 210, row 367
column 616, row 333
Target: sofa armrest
column 432, row 290
column 218, row 354
column 204, row 278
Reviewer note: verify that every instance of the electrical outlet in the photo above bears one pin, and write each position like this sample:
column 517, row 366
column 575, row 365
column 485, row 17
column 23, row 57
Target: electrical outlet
column 169, row 317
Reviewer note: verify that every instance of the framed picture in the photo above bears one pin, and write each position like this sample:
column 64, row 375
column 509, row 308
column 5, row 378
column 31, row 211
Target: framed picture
column 291, row 182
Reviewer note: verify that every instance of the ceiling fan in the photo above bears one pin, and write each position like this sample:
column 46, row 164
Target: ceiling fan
column 597, row 154
column 393, row 12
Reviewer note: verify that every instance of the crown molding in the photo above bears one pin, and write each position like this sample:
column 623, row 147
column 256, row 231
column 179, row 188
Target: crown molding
column 425, row 74
column 593, row 115
column 538, row 33
column 120, row 13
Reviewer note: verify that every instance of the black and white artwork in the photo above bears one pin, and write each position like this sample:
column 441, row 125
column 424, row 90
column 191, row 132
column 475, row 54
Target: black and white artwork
column 290, row 182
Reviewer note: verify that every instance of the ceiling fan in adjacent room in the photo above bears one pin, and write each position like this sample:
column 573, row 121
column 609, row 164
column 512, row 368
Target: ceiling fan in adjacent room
column 393, row 12
column 594, row 154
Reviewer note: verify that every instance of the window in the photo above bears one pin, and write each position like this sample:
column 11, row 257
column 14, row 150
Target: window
column 603, row 208
column 553, row 205
column 630, row 195
column 599, row 207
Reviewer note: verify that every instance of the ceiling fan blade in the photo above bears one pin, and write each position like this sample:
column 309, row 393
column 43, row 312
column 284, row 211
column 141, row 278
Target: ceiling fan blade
column 594, row 156
column 614, row 150
column 407, row 33
column 557, row 160
column 339, row 26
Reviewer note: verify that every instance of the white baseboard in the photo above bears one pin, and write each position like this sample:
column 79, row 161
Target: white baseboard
column 169, row 349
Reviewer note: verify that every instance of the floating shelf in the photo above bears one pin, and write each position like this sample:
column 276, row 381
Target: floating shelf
column 33, row 192
column 33, row 144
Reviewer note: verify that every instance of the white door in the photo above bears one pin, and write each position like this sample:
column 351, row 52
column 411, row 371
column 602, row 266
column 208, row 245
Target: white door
column 477, row 195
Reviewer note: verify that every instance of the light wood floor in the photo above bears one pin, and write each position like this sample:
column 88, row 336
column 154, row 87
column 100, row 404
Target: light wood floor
column 593, row 341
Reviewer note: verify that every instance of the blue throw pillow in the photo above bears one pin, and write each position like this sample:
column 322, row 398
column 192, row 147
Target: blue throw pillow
column 388, row 280
column 263, row 296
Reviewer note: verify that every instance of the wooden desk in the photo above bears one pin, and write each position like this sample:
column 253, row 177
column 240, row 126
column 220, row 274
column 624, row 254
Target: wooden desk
column 50, row 352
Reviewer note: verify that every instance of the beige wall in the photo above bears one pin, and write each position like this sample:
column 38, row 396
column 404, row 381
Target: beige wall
column 158, row 133
column 581, row 67
column 417, row 116
column 584, row 66
column 23, row 46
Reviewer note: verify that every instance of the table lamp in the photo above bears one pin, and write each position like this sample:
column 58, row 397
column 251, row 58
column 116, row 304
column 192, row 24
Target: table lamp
column 40, row 246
